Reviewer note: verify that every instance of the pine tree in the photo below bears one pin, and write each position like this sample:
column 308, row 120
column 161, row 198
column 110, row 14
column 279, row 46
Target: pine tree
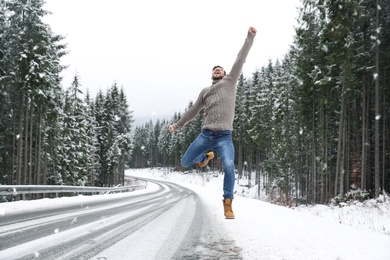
column 240, row 123
column 114, row 137
column 99, row 111
column 156, row 134
column 178, row 147
column 74, row 154
column 164, row 143
column 92, row 132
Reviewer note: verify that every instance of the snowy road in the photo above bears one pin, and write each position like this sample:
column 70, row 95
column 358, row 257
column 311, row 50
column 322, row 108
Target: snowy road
column 167, row 222
column 180, row 216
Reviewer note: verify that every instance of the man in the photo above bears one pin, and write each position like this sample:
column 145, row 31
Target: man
column 218, row 102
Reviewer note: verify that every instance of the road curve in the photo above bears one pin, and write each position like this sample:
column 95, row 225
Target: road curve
column 168, row 223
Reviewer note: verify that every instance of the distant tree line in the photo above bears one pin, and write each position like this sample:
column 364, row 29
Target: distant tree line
column 311, row 127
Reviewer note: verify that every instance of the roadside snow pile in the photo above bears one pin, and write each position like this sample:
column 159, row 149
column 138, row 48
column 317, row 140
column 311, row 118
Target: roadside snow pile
column 373, row 214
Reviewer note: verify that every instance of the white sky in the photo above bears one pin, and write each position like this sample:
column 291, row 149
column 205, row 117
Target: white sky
column 162, row 52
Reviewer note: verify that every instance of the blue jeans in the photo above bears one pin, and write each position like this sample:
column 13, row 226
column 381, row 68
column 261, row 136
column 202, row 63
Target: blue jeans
column 220, row 141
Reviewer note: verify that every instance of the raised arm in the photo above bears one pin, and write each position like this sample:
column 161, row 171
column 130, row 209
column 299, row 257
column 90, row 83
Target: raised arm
column 243, row 53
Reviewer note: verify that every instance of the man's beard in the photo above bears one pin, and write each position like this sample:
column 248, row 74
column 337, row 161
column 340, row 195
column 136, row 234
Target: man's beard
column 215, row 77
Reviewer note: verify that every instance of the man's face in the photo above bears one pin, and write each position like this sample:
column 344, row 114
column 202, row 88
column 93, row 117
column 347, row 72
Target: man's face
column 218, row 73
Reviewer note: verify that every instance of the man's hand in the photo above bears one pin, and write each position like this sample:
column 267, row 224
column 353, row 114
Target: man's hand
column 252, row 30
column 171, row 129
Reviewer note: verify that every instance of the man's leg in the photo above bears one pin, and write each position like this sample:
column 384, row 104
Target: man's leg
column 224, row 146
column 227, row 157
column 195, row 152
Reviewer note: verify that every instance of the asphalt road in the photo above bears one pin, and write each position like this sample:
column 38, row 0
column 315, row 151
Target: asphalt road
column 169, row 223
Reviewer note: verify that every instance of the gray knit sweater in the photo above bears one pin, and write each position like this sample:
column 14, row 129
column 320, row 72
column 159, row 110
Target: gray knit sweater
column 218, row 100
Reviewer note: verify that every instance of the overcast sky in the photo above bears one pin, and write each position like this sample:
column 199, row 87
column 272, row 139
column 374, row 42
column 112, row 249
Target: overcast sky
column 162, row 52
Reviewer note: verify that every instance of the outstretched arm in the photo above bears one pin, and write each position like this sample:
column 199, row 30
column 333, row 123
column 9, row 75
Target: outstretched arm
column 190, row 114
column 241, row 57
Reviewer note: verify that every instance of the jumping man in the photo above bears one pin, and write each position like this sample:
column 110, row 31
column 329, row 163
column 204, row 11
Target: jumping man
column 218, row 102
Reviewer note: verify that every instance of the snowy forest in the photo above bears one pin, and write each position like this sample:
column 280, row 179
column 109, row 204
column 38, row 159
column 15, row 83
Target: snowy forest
column 311, row 127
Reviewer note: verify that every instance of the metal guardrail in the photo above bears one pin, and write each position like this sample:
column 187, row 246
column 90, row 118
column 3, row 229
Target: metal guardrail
column 41, row 189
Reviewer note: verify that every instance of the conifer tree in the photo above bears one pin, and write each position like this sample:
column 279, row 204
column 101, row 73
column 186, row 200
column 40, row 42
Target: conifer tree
column 240, row 123
column 164, row 143
column 92, row 132
column 115, row 137
column 77, row 145
column 140, row 157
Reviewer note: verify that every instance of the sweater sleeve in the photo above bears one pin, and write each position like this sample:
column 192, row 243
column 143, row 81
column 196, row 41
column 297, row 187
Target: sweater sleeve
column 192, row 112
column 241, row 57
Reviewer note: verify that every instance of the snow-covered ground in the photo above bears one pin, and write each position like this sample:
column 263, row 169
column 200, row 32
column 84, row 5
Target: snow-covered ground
column 267, row 231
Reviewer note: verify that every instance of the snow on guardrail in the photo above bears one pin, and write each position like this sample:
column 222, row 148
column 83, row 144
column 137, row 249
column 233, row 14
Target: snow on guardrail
column 6, row 190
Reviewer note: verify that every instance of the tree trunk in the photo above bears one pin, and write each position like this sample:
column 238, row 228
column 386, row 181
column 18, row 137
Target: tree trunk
column 323, row 154
column 39, row 149
column 14, row 151
column 384, row 148
column 347, row 151
column 25, row 142
column 340, row 154
column 258, row 172
column 31, row 147
column 240, row 159
column 377, row 103
column 363, row 184
column 342, row 137
column 327, row 175
column 257, row 167
column 314, row 156
column 19, row 141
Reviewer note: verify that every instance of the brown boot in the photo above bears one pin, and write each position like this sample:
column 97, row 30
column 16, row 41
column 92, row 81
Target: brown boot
column 210, row 155
column 227, row 206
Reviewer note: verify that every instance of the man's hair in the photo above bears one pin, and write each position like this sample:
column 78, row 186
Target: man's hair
column 217, row 66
